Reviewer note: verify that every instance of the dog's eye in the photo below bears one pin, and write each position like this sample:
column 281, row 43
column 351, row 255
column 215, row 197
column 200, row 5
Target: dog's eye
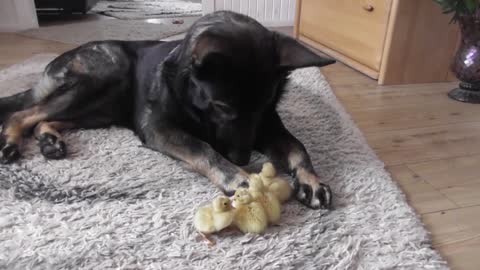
column 224, row 111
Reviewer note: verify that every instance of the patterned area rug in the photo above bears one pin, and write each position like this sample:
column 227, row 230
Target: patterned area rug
column 147, row 9
column 115, row 205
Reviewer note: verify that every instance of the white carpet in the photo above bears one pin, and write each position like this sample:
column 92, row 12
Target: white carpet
column 115, row 205
column 146, row 9
column 83, row 31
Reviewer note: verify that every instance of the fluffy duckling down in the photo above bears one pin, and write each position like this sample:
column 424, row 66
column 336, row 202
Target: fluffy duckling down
column 268, row 200
column 250, row 216
column 215, row 217
column 276, row 185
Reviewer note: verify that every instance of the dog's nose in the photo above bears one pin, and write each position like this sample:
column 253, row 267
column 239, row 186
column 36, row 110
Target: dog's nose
column 239, row 158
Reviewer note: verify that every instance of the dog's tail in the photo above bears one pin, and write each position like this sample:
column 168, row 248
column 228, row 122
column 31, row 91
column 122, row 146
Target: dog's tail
column 15, row 103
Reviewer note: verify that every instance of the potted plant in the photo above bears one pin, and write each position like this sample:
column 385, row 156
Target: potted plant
column 466, row 64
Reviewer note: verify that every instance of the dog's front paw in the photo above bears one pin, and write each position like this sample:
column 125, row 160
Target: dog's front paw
column 312, row 193
column 51, row 146
column 8, row 153
column 240, row 180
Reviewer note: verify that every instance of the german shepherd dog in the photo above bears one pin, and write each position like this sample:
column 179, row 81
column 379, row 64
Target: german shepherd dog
column 208, row 100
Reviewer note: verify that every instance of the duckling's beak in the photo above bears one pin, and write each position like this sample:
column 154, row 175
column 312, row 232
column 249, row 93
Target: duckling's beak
column 234, row 203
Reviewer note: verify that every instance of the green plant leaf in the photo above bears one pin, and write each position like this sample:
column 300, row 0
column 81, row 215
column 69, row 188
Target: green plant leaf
column 459, row 7
column 471, row 5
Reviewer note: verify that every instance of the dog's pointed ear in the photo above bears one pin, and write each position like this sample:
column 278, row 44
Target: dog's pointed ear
column 294, row 55
column 210, row 54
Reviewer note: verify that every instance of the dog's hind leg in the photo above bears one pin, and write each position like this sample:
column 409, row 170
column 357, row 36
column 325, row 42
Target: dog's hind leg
column 50, row 81
column 49, row 139
column 14, row 103
column 19, row 123
column 13, row 129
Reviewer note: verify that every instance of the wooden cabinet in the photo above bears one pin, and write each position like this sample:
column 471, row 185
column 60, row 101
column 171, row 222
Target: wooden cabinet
column 394, row 41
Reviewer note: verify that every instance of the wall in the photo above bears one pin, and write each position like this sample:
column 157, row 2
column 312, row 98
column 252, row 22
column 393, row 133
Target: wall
column 16, row 15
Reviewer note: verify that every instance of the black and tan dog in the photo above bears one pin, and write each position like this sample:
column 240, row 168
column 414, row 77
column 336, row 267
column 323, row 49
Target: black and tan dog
column 208, row 100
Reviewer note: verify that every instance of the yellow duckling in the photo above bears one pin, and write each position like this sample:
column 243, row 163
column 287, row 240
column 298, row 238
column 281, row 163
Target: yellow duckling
column 269, row 201
column 250, row 217
column 215, row 217
column 268, row 170
column 255, row 183
column 276, row 185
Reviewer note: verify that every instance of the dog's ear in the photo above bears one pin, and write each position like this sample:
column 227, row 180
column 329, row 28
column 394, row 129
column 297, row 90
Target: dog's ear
column 294, row 55
column 210, row 55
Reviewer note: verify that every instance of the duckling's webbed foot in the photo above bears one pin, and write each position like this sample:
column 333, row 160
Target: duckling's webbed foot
column 210, row 242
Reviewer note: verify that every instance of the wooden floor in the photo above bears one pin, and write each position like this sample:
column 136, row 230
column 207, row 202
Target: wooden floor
column 430, row 144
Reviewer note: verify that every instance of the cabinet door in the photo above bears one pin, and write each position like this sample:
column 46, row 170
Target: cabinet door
column 354, row 28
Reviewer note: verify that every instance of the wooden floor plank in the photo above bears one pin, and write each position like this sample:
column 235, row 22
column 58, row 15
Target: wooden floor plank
column 364, row 97
column 462, row 255
column 420, row 194
column 454, row 225
column 424, row 144
column 464, row 195
column 449, row 172
column 457, row 178
column 409, row 116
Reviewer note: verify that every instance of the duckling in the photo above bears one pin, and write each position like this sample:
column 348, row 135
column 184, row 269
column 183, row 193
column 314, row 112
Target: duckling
column 276, row 185
column 215, row 217
column 268, row 200
column 255, row 183
column 279, row 187
column 250, row 217
column 268, row 170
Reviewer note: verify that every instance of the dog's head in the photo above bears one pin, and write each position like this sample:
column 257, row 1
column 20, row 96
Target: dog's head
column 232, row 71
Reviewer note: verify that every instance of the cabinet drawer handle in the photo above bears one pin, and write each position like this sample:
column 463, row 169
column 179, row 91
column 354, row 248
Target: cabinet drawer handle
column 368, row 8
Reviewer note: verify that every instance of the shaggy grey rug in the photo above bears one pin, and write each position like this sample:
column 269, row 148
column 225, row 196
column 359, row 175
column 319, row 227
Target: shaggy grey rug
column 113, row 204
column 83, row 31
column 146, row 9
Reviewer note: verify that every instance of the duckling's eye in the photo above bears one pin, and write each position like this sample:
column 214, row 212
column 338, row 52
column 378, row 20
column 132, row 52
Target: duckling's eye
column 224, row 203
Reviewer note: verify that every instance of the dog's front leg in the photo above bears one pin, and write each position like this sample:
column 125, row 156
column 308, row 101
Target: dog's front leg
column 199, row 155
column 288, row 152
